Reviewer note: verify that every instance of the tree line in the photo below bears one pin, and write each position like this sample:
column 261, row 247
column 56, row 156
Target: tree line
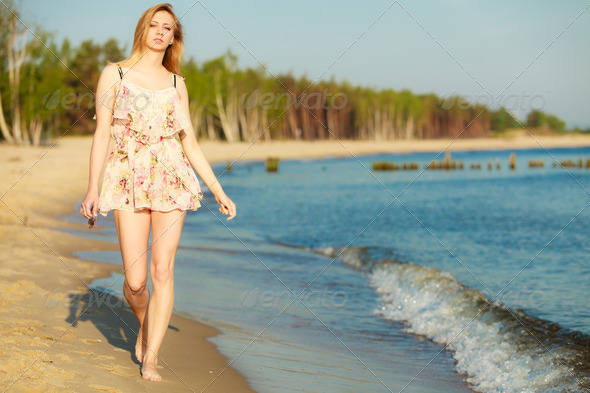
column 47, row 90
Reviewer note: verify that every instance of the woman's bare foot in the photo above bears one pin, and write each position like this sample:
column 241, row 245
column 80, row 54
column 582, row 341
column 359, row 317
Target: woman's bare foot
column 140, row 345
column 149, row 372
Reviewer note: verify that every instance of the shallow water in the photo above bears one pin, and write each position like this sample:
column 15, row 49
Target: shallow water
column 325, row 282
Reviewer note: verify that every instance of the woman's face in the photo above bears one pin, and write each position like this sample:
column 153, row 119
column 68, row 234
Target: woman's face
column 161, row 31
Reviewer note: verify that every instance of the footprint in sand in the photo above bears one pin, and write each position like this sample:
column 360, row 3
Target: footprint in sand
column 103, row 388
column 39, row 342
column 62, row 357
column 117, row 370
column 85, row 353
column 92, row 341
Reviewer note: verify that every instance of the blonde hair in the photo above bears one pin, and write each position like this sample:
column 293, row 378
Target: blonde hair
column 174, row 52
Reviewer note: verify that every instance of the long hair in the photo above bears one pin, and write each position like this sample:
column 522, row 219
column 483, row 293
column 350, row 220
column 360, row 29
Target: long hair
column 174, row 52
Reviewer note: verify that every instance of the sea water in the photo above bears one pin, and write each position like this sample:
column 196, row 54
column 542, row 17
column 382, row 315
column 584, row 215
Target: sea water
column 337, row 278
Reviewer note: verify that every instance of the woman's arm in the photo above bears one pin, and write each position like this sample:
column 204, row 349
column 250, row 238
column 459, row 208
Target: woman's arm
column 195, row 156
column 100, row 142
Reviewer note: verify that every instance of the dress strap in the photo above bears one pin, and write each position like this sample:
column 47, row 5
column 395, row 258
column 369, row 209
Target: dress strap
column 174, row 80
column 120, row 71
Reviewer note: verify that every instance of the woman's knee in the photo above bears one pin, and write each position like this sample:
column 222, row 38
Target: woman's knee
column 162, row 272
column 136, row 286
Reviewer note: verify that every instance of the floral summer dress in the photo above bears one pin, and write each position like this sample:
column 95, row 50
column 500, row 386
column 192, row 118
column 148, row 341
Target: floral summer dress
column 147, row 167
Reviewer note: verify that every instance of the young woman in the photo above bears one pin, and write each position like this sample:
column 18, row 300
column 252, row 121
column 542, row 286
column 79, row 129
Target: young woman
column 143, row 103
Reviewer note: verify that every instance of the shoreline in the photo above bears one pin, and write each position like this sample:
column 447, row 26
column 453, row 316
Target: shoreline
column 48, row 345
column 43, row 284
column 260, row 150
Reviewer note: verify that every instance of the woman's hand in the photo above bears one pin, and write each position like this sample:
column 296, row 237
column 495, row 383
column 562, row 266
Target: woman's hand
column 89, row 206
column 226, row 206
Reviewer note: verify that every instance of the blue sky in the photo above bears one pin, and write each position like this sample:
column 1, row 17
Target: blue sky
column 529, row 54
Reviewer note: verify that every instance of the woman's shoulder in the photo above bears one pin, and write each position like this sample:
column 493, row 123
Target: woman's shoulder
column 178, row 76
column 109, row 74
column 111, row 71
column 107, row 82
column 112, row 67
column 179, row 84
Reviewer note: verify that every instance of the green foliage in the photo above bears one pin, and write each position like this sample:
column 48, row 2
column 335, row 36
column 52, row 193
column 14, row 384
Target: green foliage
column 541, row 119
column 578, row 130
column 58, row 83
column 502, row 120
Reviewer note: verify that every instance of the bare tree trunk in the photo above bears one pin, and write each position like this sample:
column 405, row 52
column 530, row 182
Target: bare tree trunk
column 292, row 119
column 196, row 115
column 363, row 132
column 243, row 122
column 211, row 128
column 254, row 127
column 26, row 134
column 36, row 126
column 4, row 128
column 16, row 58
column 387, row 124
column 249, row 117
column 264, row 125
column 330, row 118
column 225, row 122
column 399, row 119
column 228, row 112
column 377, row 125
column 410, row 127
column 371, row 125
column 305, row 124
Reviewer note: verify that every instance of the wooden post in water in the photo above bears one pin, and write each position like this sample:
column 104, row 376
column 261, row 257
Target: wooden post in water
column 272, row 164
column 512, row 161
column 447, row 161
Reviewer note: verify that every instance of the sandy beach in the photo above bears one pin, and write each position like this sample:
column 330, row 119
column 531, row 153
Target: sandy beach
column 48, row 344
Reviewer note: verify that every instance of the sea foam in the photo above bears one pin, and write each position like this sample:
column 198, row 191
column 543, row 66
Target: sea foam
column 498, row 349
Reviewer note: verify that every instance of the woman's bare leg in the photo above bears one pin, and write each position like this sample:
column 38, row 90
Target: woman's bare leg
column 166, row 230
column 133, row 231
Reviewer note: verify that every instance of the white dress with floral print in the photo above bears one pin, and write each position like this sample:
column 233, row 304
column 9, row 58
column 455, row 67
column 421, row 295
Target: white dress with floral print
column 147, row 167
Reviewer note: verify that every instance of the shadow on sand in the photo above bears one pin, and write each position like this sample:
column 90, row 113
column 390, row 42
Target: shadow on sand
column 111, row 315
